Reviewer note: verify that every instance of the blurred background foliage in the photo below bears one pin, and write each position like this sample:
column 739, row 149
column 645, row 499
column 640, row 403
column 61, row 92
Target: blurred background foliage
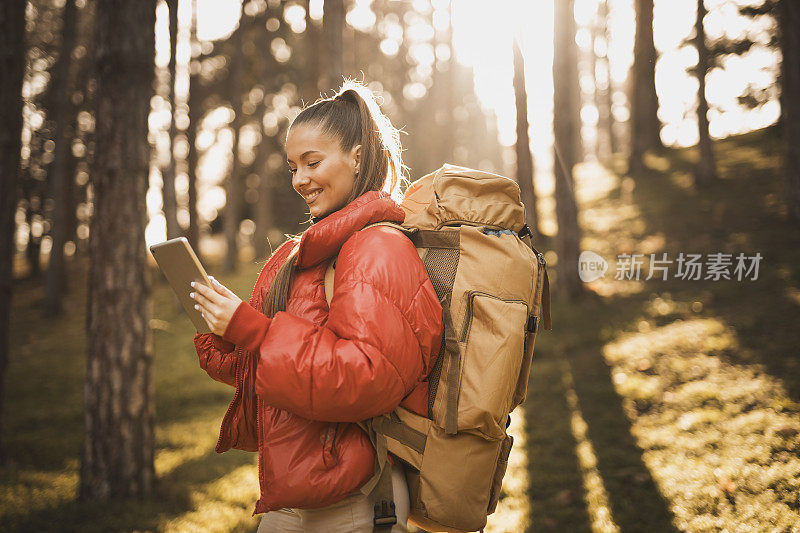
column 632, row 127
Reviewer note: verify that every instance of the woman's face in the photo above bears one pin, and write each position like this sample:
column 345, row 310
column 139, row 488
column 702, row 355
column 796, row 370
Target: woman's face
column 321, row 172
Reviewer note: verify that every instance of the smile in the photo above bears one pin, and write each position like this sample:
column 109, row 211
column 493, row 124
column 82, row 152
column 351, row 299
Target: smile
column 309, row 198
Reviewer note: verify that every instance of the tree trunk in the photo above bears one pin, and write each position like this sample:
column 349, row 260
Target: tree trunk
column 60, row 178
column 607, row 123
column 87, row 76
column 706, row 170
column 264, row 207
column 234, row 191
column 645, row 126
column 789, row 22
column 195, row 115
column 117, row 454
column 310, row 92
column 598, row 151
column 523, row 145
column 333, row 29
column 605, row 145
column 576, row 100
column 452, row 101
column 564, row 76
column 32, row 190
column 168, row 188
column 12, row 64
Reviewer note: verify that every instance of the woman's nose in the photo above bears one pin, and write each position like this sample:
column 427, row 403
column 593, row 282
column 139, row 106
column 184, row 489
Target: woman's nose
column 299, row 179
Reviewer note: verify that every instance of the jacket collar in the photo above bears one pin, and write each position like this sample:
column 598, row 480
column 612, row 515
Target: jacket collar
column 325, row 237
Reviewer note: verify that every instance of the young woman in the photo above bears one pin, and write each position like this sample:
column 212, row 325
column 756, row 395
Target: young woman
column 305, row 372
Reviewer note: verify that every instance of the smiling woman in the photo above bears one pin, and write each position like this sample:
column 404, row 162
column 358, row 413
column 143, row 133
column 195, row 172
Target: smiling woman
column 338, row 149
column 306, row 371
column 323, row 175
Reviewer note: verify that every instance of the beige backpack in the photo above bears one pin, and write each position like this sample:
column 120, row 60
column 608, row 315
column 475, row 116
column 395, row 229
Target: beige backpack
column 469, row 229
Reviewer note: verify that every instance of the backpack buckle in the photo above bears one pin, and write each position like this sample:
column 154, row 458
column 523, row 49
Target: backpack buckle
column 384, row 514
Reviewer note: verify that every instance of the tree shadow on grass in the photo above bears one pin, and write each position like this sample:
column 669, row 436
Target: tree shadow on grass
column 557, row 492
column 555, row 484
column 739, row 214
column 172, row 498
column 635, row 501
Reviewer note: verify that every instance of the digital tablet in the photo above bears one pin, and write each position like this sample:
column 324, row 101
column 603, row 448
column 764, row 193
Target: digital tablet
column 180, row 266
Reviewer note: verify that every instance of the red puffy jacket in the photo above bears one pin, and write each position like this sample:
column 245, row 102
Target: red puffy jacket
column 305, row 376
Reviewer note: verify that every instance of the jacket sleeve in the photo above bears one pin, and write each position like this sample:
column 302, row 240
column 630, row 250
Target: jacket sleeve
column 382, row 333
column 217, row 357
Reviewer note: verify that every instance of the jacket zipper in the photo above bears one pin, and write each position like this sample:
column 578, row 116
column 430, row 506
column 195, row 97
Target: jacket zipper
column 235, row 398
column 261, row 479
column 239, row 378
column 261, row 475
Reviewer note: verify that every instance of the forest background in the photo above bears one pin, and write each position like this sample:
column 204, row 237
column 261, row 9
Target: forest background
column 661, row 136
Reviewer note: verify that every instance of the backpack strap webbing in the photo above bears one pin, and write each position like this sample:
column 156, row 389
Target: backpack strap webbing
column 384, row 517
column 454, row 371
column 527, row 238
column 546, row 302
column 381, row 427
column 379, row 486
column 391, row 426
column 425, row 238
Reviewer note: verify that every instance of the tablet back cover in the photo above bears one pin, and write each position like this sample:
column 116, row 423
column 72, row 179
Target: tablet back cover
column 180, row 266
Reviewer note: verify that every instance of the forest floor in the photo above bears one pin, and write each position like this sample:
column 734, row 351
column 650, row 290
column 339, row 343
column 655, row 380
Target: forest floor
column 654, row 405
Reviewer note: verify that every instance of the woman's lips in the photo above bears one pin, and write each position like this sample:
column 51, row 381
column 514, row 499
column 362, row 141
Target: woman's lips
column 311, row 197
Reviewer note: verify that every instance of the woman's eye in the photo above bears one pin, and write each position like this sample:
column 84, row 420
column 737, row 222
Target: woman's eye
column 315, row 163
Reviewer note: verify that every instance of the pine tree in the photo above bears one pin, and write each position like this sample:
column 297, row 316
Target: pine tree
column 60, row 177
column 12, row 62
column 645, row 126
column 564, row 129
column 118, row 447
column 523, row 144
column 789, row 22
column 706, row 170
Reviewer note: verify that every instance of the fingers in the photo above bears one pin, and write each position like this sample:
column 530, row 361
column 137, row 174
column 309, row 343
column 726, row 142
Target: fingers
column 209, row 315
column 206, row 306
column 204, row 291
column 220, row 288
column 203, row 305
column 205, row 317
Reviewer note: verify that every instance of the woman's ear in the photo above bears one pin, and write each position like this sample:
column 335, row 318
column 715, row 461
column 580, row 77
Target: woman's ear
column 356, row 155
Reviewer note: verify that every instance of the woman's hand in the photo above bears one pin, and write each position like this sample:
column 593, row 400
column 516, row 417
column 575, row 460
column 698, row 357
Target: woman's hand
column 216, row 303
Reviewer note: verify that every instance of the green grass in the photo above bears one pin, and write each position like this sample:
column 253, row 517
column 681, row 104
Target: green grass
column 653, row 405
column 688, row 389
column 43, row 429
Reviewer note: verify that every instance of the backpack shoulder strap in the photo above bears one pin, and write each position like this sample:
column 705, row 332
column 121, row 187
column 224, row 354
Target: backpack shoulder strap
column 390, row 224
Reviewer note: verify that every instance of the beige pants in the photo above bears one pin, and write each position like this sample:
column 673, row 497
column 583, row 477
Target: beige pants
column 352, row 514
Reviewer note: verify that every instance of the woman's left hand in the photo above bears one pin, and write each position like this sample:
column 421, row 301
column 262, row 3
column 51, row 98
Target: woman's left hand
column 216, row 303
